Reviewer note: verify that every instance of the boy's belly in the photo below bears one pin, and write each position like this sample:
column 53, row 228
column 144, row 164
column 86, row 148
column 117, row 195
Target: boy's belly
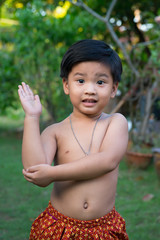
column 85, row 200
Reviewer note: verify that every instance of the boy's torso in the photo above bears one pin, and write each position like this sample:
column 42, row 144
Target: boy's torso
column 88, row 199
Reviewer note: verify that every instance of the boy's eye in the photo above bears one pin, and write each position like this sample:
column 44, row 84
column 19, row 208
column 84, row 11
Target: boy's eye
column 100, row 82
column 80, row 80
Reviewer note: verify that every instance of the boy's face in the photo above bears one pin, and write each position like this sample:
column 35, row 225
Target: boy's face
column 90, row 87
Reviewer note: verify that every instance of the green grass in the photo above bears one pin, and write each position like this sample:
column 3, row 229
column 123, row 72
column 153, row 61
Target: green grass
column 21, row 202
column 142, row 217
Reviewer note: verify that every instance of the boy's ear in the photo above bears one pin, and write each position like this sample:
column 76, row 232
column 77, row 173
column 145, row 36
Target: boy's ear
column 65, row 86
column 114, row 89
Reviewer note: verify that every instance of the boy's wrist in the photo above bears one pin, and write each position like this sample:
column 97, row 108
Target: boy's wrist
column 52, row 174
column 36, row 117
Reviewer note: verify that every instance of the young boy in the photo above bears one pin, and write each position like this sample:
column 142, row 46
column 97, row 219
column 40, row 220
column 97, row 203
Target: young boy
column 86, row 147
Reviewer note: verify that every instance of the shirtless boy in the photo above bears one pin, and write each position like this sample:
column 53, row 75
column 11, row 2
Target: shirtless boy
column 86, row 148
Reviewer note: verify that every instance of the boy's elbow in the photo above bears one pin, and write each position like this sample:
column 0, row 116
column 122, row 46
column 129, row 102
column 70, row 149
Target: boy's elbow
column 114, row 165
column 111, row 167
column 111, row 164
column 28, row 164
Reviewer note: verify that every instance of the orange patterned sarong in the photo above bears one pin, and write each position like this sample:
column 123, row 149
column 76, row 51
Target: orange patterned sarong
column 51, row 224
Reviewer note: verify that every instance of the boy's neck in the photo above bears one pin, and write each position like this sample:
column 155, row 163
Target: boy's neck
column 90, row 145
column 78, row 115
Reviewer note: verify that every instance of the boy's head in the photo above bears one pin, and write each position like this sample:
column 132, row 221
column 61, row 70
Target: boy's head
column 91, row 50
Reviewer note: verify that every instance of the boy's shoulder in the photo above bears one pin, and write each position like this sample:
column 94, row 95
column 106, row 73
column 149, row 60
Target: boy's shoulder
column 115, row 122
column 115, row 117
column 119, row 120
column 106, row 119
column 53, row 128
column 119, row 117
column 116, row 133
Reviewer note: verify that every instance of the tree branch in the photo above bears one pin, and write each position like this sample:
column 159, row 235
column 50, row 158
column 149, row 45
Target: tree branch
column 127, row 57
column 110, row 28
column 145, row 43
column 149, row 103
column 108, row 14
column 80, row 3
column 131, row 91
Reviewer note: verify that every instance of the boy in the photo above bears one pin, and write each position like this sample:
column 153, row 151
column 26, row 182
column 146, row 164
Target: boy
column 86, row 148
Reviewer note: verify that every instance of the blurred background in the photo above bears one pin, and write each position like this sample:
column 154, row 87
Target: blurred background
column 34, row 35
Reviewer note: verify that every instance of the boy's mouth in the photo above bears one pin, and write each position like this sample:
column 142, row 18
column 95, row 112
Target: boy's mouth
column 89, row 101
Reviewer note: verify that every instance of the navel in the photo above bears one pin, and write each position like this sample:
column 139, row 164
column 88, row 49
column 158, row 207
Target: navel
column 85, row 205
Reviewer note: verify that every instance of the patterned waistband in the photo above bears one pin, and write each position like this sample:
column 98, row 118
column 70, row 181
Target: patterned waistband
column 108, row 218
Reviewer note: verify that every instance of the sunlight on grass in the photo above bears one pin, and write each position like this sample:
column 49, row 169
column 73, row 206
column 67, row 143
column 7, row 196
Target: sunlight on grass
column 14, row 119
column 10, row 124
column 8, row 22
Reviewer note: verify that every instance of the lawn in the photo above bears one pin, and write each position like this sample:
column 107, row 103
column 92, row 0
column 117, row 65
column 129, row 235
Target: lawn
column 21, row 202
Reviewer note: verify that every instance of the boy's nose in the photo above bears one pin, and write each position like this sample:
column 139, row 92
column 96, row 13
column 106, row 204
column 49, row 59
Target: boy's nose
column 90, row 89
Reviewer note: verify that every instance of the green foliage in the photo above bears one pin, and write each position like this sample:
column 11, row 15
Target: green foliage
column 8, row 80
column 40, row 42
column 33, row 49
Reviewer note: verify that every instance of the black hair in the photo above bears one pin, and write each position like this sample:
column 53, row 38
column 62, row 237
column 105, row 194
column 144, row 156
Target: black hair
column 91, row 50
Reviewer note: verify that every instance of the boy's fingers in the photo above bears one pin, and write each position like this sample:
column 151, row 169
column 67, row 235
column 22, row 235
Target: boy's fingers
column 29, row 90
column 28, row 179
column 32, row 169
column 21, row 92
column 25, row 88
column 25, row 91
column 37, row 99
column 28, row 176
column 25, row 173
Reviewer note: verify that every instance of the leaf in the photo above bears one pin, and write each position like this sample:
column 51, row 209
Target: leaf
column 148, row 197
column 139, row 178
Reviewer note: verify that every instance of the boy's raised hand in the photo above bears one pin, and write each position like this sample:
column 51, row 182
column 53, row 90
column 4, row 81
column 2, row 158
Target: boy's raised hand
column 30, row 102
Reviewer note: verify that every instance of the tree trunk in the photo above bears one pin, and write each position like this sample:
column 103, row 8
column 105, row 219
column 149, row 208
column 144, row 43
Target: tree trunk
column 147, row 113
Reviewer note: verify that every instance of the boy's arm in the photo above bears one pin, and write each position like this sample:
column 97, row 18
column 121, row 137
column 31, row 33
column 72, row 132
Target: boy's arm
column 33, row 152
column 94, row 165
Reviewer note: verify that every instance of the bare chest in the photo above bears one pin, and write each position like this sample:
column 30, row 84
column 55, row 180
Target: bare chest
column 72, row 146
